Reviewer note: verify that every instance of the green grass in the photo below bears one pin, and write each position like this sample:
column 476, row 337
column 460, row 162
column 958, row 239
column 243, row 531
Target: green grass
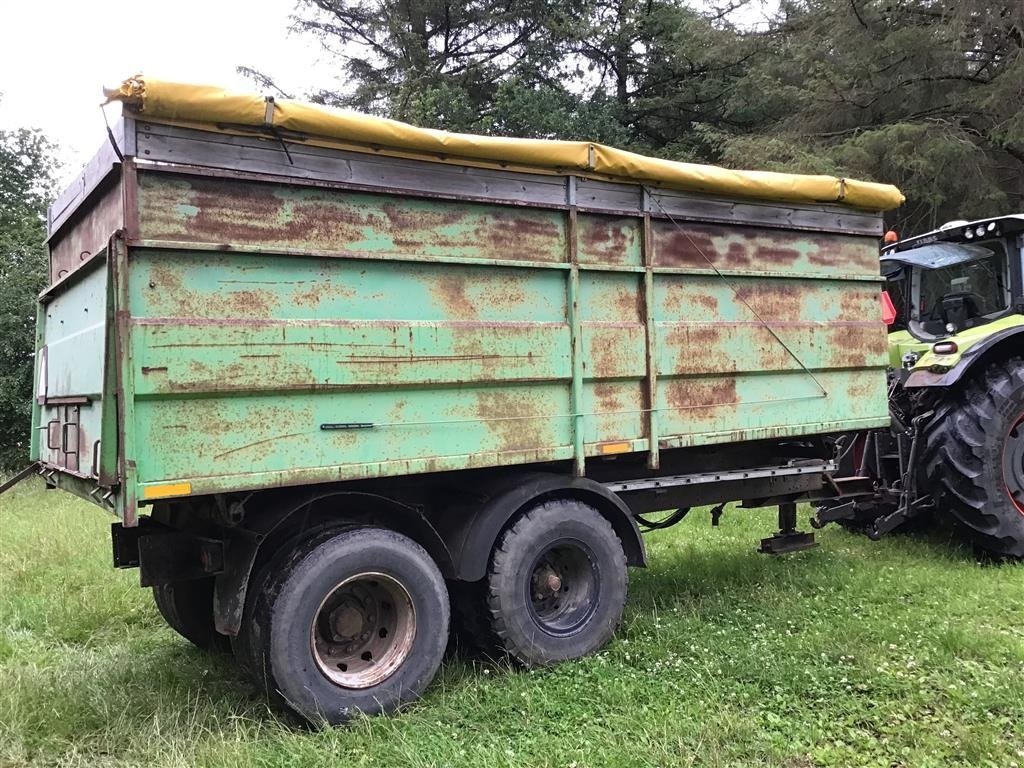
column 897, row 653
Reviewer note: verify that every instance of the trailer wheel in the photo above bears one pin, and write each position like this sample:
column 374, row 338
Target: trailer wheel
column 354, row 623
column 557, row 584
column 974, row 458
column 187, row 606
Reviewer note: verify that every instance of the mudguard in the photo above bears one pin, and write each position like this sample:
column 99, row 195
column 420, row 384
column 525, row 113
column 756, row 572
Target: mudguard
column 1011, row 338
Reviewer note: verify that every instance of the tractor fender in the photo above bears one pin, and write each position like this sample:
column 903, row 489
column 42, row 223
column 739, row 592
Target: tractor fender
column 1009, row 339
column 471, row 535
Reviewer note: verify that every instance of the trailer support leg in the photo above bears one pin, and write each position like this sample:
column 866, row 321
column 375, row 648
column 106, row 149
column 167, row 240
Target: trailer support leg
column 788, row 538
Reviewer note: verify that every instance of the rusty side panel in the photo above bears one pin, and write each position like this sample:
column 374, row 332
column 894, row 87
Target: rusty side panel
column 86, row 234
column 240, row 362
column 244, row 213
column 697, row 247
column 320, row 362
column 610, row 240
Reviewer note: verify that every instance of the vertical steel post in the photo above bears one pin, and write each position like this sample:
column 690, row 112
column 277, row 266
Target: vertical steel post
column 651, row 357
column 37, row 405
column 575, row 329
column 127, row 500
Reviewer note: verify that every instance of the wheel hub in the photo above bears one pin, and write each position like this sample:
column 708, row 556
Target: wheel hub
column 546, row 582
column 363, row 630
column 1013, row 464
column 563, row 587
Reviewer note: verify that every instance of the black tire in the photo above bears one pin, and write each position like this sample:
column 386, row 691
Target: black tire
column 471, row 634
column 187, row 606
column 248, row 638
column 974, row 458
column 366, row 597
column 557, row 584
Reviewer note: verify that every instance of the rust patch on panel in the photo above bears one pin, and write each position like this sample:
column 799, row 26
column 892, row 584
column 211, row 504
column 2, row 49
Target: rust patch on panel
column 629, row 304
column 607, row 239
column 516, row 236
column 699, row 394
column 860, row 389
column 682, row 298
column 737, row 247
column 686, row 247
column 210, row 210
column 170, row 297
column 860, row 304
column 606, row 398
column 706, row 302
column 450, row 290
column 699, row 349
column 400, row 218
column 613, row 350
column 853, row 254
column 239, row 213
column 512, row 419
column 858, row 346
column 779, row 302
column 87, row 233
column 603, row 352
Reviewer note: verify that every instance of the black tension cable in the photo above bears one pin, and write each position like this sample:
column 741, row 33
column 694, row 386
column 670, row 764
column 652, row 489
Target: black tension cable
column 656, row 525
column 110, row 135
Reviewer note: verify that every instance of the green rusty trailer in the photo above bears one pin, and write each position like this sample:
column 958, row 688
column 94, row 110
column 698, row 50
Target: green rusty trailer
column 393, row 384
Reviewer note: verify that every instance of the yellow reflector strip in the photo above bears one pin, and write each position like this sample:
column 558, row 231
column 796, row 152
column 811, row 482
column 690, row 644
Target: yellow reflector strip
column 168, row 489
column 607, row 448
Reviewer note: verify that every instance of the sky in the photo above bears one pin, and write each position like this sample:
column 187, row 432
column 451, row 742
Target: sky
column 56, row 57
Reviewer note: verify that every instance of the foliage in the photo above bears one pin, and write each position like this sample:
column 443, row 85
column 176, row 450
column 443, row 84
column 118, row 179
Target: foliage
column 27, row 173
column 430, row 61
column 927, row 94
column 859, row 653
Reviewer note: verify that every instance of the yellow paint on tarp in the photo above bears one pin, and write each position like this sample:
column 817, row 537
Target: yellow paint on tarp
column 158, row 100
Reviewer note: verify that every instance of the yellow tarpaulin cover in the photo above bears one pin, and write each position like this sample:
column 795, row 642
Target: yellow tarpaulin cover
column 179, row 102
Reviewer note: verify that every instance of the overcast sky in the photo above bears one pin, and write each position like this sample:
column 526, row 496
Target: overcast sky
column 57, row 55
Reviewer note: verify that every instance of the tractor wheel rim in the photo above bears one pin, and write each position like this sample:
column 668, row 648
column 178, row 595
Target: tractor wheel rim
column 363, row 630
column 1013, row 464
column 564, row 587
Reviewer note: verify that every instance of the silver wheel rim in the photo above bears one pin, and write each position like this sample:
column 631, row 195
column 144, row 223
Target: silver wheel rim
column 363, row 630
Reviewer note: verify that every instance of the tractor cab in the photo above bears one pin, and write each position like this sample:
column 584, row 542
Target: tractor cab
column 955, row 291
column 960, row 277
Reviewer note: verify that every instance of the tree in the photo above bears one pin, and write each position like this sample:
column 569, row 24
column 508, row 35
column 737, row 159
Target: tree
column 27, row 176
column 667, row 68
column 927, row 94
column 432, row 62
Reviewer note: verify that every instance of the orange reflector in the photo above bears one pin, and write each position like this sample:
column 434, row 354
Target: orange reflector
column 168, row 489
column 891, row 237
column 608, row 448
column 888, row 309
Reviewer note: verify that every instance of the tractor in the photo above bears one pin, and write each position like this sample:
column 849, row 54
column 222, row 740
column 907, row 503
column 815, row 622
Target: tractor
column 954, row 302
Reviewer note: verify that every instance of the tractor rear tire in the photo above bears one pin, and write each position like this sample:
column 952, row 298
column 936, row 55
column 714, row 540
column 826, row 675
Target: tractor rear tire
column 974, row 458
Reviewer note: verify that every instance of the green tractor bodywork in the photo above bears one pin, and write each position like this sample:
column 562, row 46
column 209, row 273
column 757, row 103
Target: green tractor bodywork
column 969, row 343
column 956, row 353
